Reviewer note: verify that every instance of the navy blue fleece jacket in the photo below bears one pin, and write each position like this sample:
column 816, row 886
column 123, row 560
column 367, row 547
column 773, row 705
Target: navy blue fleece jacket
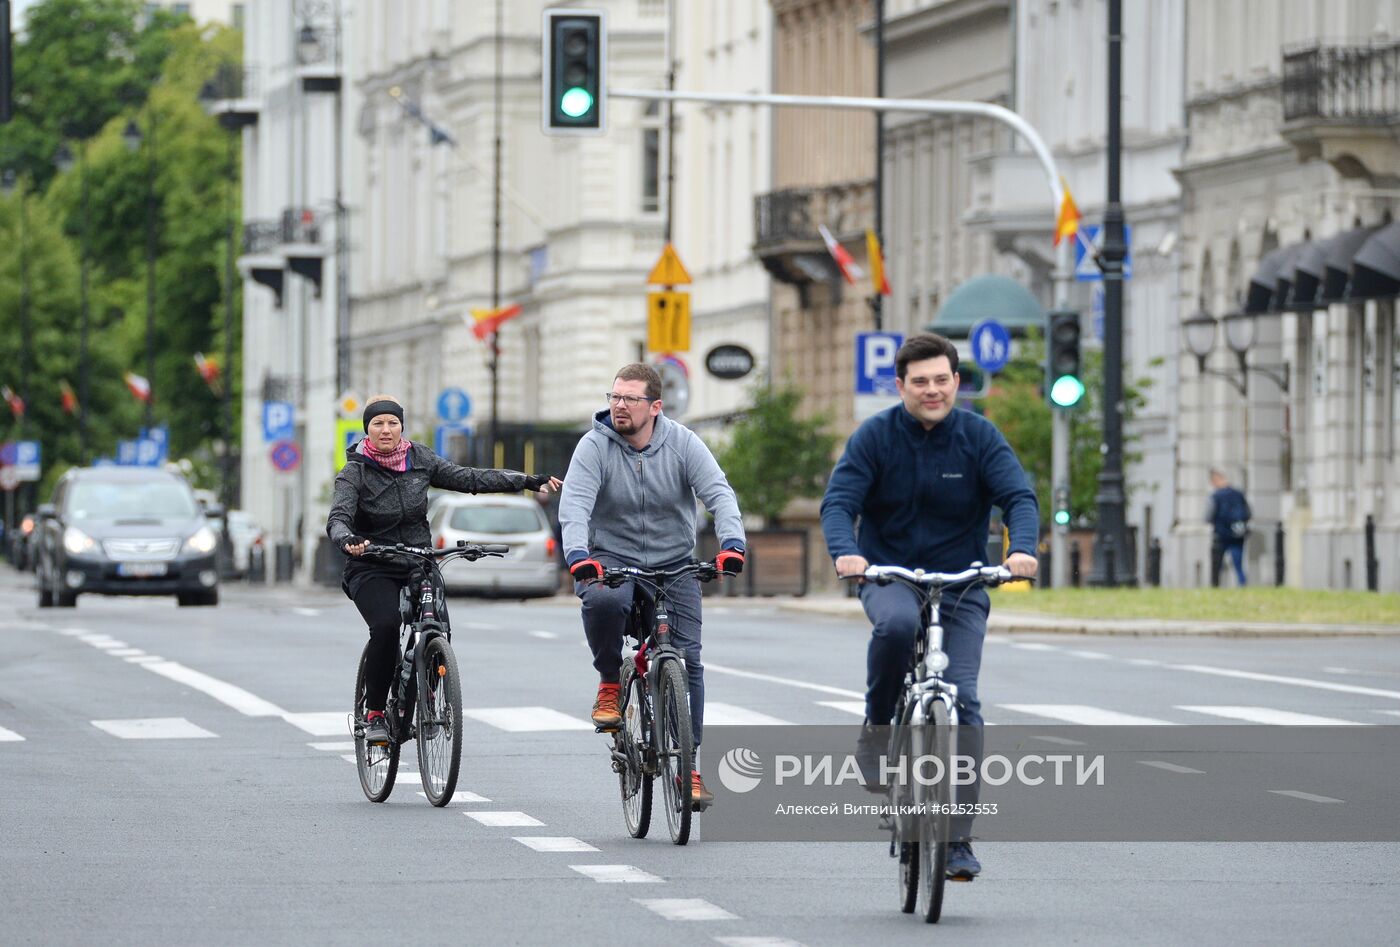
column 924, row 498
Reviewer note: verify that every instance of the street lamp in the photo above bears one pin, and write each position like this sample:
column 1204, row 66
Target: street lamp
column 133, row 138
column 1201, row 329
column 308, row 45
column 63, row 160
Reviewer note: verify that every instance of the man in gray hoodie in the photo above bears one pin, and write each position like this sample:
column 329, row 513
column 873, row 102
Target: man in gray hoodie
column 629, row 500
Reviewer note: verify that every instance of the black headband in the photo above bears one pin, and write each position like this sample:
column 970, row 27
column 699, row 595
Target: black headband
column 376, row 408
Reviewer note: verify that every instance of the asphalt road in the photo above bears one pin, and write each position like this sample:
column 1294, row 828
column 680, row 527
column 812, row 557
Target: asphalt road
column 178, row 776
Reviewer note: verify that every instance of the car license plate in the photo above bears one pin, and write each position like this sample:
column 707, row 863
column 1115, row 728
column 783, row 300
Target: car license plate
column 141, row 570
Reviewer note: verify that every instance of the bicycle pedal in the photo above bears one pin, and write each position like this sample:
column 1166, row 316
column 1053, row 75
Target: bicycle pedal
column 607, row 729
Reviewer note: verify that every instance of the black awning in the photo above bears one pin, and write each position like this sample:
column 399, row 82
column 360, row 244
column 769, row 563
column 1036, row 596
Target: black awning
column 1264, row 281
column 1283, row 282
column 1337, row 263
column 1375, row 270
column 1308, row 271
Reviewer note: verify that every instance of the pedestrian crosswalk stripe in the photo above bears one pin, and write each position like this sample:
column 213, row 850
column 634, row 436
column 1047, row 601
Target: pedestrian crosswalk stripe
column 125, row 652
column 504, row 819
column 461, row 795
column 1268, row 715
column 9, row 736
column 1092, row 655
column 1284, row 679
column 1084, row 715
column 547, row 635
column 73, row 632
column 525, row 719
column 686, row 909
column 1172, row 767
column 775, row 679
column 617, row 874
column 729, row 715
column 144, row 659
column 856, row 707
column 758, row 942
column 332, row 747
column 246, row 703
column 153, row 728
column 1305, row 796
column 328, row 723
column 1393, row 713
column 554, row 844
column 1033, row 646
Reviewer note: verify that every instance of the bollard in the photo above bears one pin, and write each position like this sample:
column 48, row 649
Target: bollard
column 1109, row 572
column 1074, row 554
column 283, row 566
column 257, row 564
column 1372, row 565
column 1278, row 554
column 1154, row 563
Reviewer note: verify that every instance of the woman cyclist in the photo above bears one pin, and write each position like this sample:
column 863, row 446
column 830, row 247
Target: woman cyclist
column 382, row 497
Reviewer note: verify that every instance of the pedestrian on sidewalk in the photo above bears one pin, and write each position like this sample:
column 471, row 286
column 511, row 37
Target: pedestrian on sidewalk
column 1229, row 518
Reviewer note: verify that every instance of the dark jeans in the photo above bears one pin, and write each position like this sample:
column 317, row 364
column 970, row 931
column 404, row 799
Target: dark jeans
column 377, row 598
column 605, row 612
column 894, row 611
column 1219, row 548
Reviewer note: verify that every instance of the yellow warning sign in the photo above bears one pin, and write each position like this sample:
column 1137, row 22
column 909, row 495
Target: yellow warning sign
column 349, row 405
column 668, row 322
column 669, row 270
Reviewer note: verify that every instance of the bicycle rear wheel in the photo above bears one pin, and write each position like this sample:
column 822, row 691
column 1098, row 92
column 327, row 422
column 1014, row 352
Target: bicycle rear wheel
column 631, row 739
column 377, row 765
column 934, row 738
column 904, row 827
column 675, row 748
column 439, row 721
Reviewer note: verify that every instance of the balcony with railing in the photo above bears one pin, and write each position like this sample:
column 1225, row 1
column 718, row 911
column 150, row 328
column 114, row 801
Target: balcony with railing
column 786, row 239
column 1341, row 103
column 231, row 96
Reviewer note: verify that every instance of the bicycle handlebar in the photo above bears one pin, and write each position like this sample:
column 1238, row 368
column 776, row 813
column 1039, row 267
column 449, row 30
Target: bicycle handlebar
column 468, row 551
column 616, row 575
column 990, row 576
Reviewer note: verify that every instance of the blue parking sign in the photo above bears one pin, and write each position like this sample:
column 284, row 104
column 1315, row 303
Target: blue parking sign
column 875, row 370
column 279, row 421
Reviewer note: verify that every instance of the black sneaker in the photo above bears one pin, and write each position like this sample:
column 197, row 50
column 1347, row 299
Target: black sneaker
column 962, row 864
column 871, row 745
column 376, row 731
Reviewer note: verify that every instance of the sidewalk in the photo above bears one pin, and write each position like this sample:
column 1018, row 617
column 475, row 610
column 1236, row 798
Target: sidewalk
column 1030, row 623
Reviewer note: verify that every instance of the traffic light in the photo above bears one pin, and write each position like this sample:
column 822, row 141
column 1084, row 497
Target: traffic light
column 1061, row 506
column 1064, row 385
column 575, row 67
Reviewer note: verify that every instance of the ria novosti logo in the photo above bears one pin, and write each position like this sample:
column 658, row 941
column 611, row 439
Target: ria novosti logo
column 740, row 770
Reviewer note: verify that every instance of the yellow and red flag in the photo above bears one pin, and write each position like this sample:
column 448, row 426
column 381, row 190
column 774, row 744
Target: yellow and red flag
column 488, row 321
column 1067, row 221
column 208, row 369
column 66, row 398
column 878, row 280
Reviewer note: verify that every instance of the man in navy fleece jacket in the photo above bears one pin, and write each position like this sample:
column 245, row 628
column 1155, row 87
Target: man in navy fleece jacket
column 922, row 478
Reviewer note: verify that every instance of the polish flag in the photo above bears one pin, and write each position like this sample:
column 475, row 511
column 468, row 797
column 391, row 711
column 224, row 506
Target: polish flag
column 66, row 398
column 140, row 387
column 848, row 266
column 15, row 402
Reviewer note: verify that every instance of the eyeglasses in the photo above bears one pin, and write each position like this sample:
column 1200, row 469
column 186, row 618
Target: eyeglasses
column 630, row 400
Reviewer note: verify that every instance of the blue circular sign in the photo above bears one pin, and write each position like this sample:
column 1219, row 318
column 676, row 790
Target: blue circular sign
column 991, row 345
column 453, row 405
column 286, row 456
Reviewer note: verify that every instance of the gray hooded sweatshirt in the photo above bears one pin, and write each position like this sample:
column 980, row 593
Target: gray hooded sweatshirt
column 638, row 506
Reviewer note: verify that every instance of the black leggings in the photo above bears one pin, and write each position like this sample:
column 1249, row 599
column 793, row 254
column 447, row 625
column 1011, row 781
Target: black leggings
column 377, row 598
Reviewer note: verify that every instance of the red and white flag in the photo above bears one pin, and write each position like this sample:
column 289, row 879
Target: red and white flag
column 848, row 266
column 15, row 402
column 140, row 387
column 208, row 369
column 66, row 398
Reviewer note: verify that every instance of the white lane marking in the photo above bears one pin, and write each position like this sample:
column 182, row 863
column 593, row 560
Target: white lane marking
column 547, row 635
column 729, row 715
column 1334, row 670
column 333, row 747
column 856, row 707
column 774, row 679
column 461, row 795
column 326, row 723
column 153, row 728
column 73, row 632
column 245, row 702
column 145, row 659
column 478, row 625
column 1145, row 662
column 553, row 844
column 94, row 637
column 618, row 874
column 307, row 612
column 759, row 942
column 9, row 736
column 1305, row 796
column 1171, row 767
column 525, row 719
column 1268, row 715
column 500, row 819
column 110, row 646
column 1034, row 646
column 1062, row 741
column 125, row 652
column 1393, row 713
column 1085, row 715
column 1282, row 679
column 1092, row 655
column 686, row 909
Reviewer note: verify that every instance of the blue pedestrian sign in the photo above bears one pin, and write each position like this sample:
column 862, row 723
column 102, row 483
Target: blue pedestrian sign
column 991, row 345
column 453, row 405
column 150, row 452
column 875, row 372
column 1086, row 266
column 126, row 453
column 279, row 421
column 160, row 434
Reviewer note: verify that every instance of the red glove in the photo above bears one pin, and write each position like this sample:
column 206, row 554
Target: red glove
column 730, row 561
column 586, row 569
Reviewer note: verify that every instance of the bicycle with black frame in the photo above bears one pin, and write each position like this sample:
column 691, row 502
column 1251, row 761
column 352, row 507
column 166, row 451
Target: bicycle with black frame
column 654, row 738
column 425, row 696
column 925, row 725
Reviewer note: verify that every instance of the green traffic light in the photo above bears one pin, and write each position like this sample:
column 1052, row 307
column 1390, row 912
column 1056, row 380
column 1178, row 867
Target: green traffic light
column 1066, row 391
column 575, row 102
column 1062, row 517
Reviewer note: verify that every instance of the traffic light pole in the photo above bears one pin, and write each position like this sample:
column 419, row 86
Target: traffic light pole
column 1064, row 274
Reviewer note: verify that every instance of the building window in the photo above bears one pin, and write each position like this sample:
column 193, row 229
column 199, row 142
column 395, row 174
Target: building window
column 651, row 159
column 181, row 9
column 236, row 14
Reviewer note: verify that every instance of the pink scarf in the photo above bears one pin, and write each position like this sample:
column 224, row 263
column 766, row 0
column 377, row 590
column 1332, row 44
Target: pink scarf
column 396, row 459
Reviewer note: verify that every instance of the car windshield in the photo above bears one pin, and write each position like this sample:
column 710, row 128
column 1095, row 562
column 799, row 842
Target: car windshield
column 495, row 519
column 153, row 499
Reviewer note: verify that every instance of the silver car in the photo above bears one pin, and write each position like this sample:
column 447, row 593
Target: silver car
column 531, row 568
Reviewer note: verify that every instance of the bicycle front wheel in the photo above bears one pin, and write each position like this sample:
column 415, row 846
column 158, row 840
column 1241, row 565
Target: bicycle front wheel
column 439, row 721
column 631, row 740
column 675, row 748
column 934, row 738
column 378, row 765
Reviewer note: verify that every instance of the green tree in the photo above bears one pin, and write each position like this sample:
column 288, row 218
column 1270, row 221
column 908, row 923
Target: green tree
column 1016, row 404
column 774, row 456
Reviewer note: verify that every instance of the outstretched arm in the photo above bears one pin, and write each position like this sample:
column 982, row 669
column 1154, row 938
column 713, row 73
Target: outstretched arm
column 447, row 475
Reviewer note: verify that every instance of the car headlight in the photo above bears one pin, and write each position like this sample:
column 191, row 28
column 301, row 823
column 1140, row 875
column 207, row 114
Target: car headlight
column 203, row 541
column 76, row 541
